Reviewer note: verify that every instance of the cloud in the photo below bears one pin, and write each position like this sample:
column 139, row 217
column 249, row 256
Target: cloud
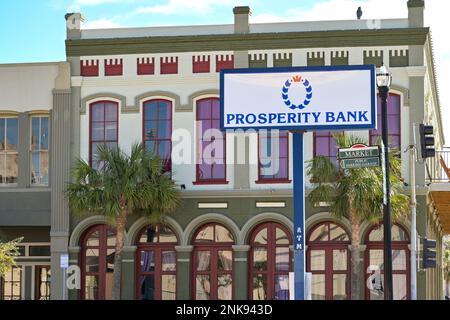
column 101, row 24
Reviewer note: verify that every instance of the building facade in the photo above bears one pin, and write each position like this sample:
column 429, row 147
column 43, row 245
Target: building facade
column 32, row 97
column 232, row 236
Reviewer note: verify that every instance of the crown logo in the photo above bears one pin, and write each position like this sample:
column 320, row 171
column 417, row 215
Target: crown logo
column 297, row 78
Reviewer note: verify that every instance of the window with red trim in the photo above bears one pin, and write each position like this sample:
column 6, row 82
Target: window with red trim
column 374, row 257
column 325, row 145
column 211, row 144
column 212, row 263
column 158, row 130
column 269, row 262
column 273, row 155
column 393, row 113
column 97, row 262
column 104, row 128
column 156, row 263
column 328, row 259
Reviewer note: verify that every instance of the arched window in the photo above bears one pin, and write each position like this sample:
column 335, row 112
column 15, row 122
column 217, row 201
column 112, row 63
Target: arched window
column 212, row 263
column 328, row 259
column 325, row 145
column 156, row 263
column 97, row 262
column 104, row 128
column 393, row 110
column 400, row 263
column 269, row 262
column 157, row 134
column 211, row 143
column 273, row 165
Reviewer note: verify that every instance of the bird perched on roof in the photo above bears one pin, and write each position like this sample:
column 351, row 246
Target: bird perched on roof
column 359, row 13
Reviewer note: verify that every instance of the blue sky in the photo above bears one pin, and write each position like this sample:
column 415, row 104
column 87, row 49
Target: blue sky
column 34, row 30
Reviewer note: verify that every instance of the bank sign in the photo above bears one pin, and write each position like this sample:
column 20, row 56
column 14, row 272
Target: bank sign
column 299, row 98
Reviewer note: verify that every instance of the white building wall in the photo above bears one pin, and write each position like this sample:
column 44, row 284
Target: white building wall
column 185, row 83
column 27, row 87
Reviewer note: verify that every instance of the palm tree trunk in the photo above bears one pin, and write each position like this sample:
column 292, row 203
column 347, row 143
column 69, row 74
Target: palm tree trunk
column 355, row 261
column 117, row 274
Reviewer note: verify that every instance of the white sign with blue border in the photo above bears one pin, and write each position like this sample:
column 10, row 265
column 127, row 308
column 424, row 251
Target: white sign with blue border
column 299, row 98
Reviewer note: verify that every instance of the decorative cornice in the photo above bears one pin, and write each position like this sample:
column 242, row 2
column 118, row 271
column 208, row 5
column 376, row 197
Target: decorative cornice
column 241, row 248
column 416, row 4
column 184, row 248
column 247, row 41
column 416, row 71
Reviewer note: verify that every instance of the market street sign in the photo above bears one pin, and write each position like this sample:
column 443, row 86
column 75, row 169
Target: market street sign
column 364, row 152
column 360, row 163
column 299, row 98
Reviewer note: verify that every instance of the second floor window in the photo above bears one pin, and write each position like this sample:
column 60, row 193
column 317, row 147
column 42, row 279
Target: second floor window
column 273, row 155
column 39, row 150
column 158, row 130
column 393, row 113
column 9, row 158
column 211, row 144
column 104, row 128
column 325, row 145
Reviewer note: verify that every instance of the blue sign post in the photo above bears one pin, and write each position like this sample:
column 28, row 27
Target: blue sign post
column 299, row 217
column 299, row 99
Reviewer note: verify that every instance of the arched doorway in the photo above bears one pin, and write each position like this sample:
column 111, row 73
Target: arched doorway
column 97, row 262
column 400, row 263
column 328, row 259
column 269, row 262
column 212, row 263
column 156, row 263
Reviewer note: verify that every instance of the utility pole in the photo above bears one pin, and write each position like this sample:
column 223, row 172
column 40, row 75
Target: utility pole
column 413, row 204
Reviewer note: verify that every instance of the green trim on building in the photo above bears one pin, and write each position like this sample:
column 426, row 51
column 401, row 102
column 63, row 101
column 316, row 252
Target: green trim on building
column 250, row 41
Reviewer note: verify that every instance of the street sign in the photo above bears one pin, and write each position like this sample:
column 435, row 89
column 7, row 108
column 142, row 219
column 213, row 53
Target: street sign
column 64, row 261
column 355, row 163
column 351, row 153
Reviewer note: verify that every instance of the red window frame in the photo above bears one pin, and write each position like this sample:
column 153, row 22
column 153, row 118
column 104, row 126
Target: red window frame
column 373, row 134
column 157, row 248
column 103, row 247
column 199, row 157
column 329, row 136
column 284, row 135
column 91, row 121
column 147, row 104
column 396, row 245
column 213, row 247
column 270, row 247
column 329, row 246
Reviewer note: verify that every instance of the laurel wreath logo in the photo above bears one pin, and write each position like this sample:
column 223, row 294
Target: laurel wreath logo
column 285, row 92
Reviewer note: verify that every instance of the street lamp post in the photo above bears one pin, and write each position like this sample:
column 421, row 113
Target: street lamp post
column 384, row 79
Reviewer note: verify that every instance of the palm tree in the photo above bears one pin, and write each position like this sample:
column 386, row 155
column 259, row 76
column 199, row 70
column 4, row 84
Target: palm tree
column 124, row 184
column 356, row 194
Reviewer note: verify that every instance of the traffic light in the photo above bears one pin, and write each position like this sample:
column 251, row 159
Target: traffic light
column 429, row 253
column 426, row 141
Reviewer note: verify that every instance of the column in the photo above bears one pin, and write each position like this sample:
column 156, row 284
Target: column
column 60, row 160
column 240, row 280
column 183, row 272
column 128, row 275
column 241, row 140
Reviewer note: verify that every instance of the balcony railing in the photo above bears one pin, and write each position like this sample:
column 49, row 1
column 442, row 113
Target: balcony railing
column 438, row 168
